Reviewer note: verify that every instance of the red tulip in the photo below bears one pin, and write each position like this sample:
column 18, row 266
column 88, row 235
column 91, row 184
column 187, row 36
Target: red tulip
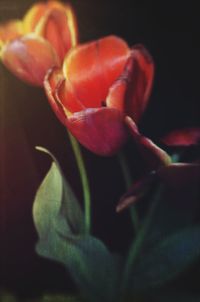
column 101, row 93
column 100, row 83
column 31, row 46
column 177, row 177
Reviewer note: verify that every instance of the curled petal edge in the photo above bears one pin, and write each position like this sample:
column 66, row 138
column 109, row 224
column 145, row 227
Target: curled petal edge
column 174, row 176
column 152, row 154
column 52, row 81
column 130, row 92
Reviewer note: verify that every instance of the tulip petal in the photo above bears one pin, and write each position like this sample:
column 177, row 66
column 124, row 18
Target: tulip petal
column 130, row 93
column 40, row 11
column 180, row 175
column 52, row 80
column 59, row 28
column 10, row 31
column 184, row 137
column 116, row 95
column 137, row 191
column 29, row 58
column 153, row 155
column 32, row 17
column 101, row 130
column 72, row 24
column 93, row 67
column 67, row 97
column 175, row 177
column 112, row 56
column 70, row 17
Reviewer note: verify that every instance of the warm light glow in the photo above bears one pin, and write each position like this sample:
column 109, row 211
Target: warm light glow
column 10, row 30
column 54, row 23
column 34, row 21
column 72, row 25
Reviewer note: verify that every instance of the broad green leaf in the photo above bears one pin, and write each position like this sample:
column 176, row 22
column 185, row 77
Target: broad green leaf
column 6, row 297
column 59, row 222
column 55, row 205
column 59, row 298
column 94, row 269
column 175, row 211
column 167, row 259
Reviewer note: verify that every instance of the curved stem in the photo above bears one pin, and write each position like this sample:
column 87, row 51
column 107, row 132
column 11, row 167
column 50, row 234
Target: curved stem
column 125, row 170
column 138, row 242
column 84, row 180
column 128, row 182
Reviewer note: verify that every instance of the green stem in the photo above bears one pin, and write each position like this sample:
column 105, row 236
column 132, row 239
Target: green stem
column 128, row 182
column 125, row 170
column 138, row 242
column 84, row 180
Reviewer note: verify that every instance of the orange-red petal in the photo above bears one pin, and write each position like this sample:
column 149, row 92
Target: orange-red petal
column 179, row 175
column 29, row 58
column 53, row 79
column 130, row 93
column 152, row 154
column 116, row 95
column 58, row 26
column 183, row 137
column 101, row 130
column 32, row 17
column 55, row 22
column 66, row 96
column 93, row 67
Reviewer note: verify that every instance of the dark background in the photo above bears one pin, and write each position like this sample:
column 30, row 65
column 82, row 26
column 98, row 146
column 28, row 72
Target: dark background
column 170, row 31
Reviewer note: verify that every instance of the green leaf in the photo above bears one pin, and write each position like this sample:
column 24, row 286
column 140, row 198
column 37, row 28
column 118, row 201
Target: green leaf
column 94, row 269
column 59, row 222
column 55, row 205
column 175, row 211
column 6, row 297
column 98, row 270
column 59, row 298
column 167, row 259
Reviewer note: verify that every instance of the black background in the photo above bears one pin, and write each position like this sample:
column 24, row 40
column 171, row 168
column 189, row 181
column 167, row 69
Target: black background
column 170, row 31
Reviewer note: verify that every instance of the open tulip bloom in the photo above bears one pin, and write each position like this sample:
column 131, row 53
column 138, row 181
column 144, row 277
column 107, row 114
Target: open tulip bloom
column 102, row 90
column 99, row 91
column 29, row 47
column 92, row 92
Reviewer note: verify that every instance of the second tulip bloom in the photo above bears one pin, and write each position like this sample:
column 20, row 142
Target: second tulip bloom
column 29, row 47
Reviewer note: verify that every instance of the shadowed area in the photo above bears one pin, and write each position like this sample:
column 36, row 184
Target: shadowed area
column 26, row 120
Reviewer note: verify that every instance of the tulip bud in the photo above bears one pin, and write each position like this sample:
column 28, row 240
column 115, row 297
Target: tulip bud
column 29, row 58
column 31, row 46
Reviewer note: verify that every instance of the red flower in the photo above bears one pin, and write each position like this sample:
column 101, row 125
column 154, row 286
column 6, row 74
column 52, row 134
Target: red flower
column 100, row 83
column 29, row 47
column 102, row 88
column 177, row 177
